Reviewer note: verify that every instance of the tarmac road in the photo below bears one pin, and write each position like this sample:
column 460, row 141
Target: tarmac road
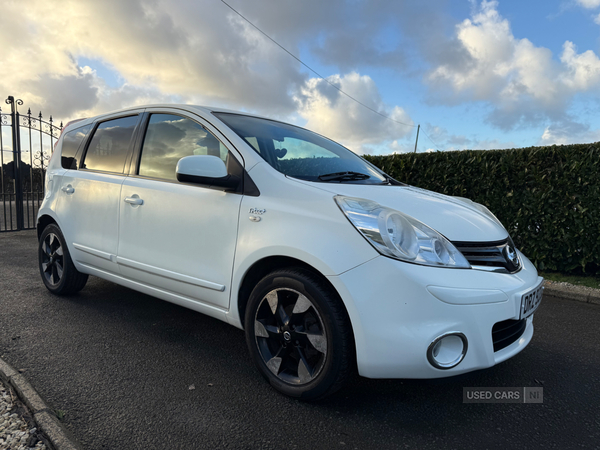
column 120, row 364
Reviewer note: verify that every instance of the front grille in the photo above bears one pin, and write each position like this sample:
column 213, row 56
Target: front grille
column 500, row 254
column 506, row 332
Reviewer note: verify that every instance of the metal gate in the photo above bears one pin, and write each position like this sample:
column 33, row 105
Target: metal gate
column 26, row 144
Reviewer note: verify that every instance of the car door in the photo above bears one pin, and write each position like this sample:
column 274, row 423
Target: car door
column 177, row 237
column 89, row 196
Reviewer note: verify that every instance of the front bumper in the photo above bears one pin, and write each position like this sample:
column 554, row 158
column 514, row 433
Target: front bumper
column 397, row 310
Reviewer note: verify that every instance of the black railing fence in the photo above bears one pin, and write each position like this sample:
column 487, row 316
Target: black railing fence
column 26, row 144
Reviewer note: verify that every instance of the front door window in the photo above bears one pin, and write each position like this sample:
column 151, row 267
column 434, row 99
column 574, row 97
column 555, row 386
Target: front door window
column 168, row 139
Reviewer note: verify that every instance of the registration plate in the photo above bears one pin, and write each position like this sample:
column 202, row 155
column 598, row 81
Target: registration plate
column 531, row 300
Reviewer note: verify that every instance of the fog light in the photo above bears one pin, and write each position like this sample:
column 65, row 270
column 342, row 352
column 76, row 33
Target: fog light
column 447, row 350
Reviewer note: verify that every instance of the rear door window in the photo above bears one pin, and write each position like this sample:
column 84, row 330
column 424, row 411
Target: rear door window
column 109, row 145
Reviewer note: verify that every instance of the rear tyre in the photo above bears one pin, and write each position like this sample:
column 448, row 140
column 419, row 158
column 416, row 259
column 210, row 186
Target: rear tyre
column 56, row 267
column 299, row 334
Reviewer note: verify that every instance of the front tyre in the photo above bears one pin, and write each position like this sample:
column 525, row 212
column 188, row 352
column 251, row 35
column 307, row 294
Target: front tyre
column 299, row 334
column 56, row 267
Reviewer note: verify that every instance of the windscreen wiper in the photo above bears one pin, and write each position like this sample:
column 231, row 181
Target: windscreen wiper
column 344, row 176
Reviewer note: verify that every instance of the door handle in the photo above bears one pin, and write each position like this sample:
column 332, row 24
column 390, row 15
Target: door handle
column 134, row 200
column 68, row 189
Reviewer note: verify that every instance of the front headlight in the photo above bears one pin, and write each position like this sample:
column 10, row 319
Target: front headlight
column 400, row 236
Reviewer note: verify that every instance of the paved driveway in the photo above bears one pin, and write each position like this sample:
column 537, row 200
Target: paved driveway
column 120, row 365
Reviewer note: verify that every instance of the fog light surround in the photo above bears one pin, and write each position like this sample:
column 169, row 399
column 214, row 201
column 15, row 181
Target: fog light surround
column 448, row 350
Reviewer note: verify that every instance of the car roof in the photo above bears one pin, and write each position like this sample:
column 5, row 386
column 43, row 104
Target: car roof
column 203, row 110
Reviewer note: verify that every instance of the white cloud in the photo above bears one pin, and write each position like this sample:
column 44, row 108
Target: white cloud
column 192, row 52
column 329, row 112
column 521, row 82
column 569, row 132
column 582, row 70
column 440, row 138
column 198, row 52
column 398, row 147
column 492, row 144
column 201, row 52
column 590, row 4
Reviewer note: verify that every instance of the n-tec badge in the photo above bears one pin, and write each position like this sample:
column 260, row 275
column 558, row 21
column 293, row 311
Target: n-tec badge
column 257, row 211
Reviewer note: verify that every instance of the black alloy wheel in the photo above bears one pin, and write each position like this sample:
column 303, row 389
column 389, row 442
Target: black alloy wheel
column 56, row 267
column 299, row 334
column 290, row 336
column 52, row 259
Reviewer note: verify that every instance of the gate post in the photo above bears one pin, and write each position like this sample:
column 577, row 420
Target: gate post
column 16, row 143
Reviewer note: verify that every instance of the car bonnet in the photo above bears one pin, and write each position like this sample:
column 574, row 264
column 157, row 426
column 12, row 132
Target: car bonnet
column 457, row 219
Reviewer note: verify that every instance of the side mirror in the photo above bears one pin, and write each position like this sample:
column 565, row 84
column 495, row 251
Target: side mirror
column 206, row 170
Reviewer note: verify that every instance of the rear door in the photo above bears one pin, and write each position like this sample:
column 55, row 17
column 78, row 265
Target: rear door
column 178, row 237
column 88, row 205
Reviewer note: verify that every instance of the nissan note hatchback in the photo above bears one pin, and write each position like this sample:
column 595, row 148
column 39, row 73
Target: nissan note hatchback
column 326, row 262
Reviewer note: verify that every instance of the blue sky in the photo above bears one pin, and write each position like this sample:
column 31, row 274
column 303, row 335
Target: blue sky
column 473, row 74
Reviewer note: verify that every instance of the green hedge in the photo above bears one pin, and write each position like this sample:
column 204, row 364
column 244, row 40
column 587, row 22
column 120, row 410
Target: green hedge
column 548, row 198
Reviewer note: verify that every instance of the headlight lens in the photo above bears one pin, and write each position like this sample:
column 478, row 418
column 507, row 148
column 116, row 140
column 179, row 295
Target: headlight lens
column 400, row 236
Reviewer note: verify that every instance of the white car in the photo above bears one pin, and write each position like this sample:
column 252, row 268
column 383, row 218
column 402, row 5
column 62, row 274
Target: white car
column 327, row 263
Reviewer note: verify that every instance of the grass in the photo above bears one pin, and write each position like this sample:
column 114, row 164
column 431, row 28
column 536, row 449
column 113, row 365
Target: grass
column 579, row 280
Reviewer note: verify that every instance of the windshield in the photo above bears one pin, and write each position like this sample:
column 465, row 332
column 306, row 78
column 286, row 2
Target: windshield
column 300, row 153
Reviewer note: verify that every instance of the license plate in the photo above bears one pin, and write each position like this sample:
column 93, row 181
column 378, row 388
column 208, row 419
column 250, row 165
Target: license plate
column 531, row 300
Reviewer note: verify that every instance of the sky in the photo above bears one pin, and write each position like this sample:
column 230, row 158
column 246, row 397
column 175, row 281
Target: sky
column 473, row 74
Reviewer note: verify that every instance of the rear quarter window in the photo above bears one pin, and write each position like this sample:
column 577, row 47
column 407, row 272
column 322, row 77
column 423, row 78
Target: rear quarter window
column 71, row 142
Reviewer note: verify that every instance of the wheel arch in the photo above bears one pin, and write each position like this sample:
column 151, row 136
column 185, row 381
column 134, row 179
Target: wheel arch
column 43, row 222
column 262, row 267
